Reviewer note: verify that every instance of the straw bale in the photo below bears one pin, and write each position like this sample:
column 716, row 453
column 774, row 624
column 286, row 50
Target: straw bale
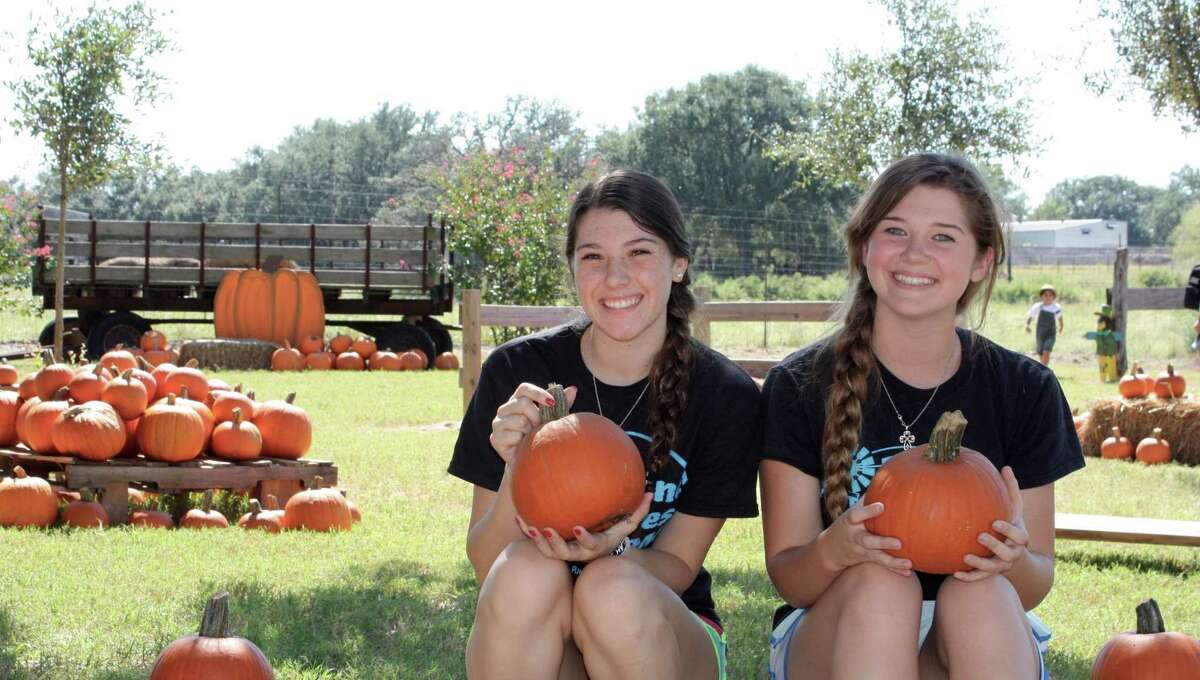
column 1137, row 418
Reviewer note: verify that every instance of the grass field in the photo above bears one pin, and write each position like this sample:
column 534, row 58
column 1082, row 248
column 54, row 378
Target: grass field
column 395, row 597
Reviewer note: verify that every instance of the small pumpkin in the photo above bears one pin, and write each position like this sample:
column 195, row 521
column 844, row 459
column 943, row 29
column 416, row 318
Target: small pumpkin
column 8, row 375
column 87, row 385
column 85, row 513
column 364, row 346
column 26, row 501
column 119, row 360
column 1154, row 450
column 39, row 420
column 52, row 376
column 938, row 498
column 160, row 373
column 317, row 509
column 1148, row 379
column 1131, row 385
column 205, row 413
column 127, row 395
column 27, row 389
column 224, row 404
column 349, row 361
column 411, row 361
column 287, row 358
column 188, row 376
column 151, row 519
column 92, row 431
column 319, row 361
column 204, row 517
column 257, row 518
column 311, row 344
column 213, row 653
column 446, row 361
column 160, row 357
column 1170, row 385
column 171, row 432
column 10, row 406
column 1116, row 446
column 1148, row 653
column 385, row 361
column 152, row 340
column 285, row 428
column 340, row 343
column 236, row 439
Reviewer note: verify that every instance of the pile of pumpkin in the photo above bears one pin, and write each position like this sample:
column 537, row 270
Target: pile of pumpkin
column 344, row 353
column 154, row 348
column 1145, row 404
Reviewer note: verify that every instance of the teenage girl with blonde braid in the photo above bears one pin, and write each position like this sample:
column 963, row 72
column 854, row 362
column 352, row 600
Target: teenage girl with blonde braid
column 923, row 244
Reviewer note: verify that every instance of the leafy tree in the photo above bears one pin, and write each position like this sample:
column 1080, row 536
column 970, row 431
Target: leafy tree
column 946, row 87
column 1108, row 197
column 1010, row 195
column 536, row 130
column 1167, row 208
column 1158, row 44
column 1186, row 246
column 18, row 245
column 83, row 68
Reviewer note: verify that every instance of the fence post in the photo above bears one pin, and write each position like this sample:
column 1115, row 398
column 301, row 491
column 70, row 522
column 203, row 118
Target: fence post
column 701, row 327
column 1120, row 285
column 472, row 340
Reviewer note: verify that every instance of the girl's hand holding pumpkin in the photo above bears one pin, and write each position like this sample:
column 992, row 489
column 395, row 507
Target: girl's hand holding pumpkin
column 852, row 544
column 1012, row 549
column 519, row 415
column 586, row 546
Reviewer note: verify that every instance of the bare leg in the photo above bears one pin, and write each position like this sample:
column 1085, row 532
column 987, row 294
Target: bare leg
column 980, row 631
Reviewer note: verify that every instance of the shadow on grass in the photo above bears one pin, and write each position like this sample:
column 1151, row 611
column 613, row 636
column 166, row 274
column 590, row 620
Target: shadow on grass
column 1117, row 558
column 1065, row 666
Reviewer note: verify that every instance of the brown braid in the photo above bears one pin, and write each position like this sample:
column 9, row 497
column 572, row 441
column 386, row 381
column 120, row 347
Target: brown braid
column 669, row 376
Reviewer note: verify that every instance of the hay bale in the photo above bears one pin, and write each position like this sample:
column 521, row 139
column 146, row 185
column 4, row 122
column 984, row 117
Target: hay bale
column 1137, row 418
column 229, row 353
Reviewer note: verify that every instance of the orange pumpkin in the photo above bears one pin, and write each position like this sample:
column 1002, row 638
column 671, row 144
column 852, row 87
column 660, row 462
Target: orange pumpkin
column 1170, row 385
column 364, row 346
column 131, row 444
column 1116, row 446
column 576, row 470
column 225, row 403
column 171, row 432
column 151, row 519
column 142, row 373
column 257, row 518
column 190, row 377
column 205, row 413
column 349, row 361
column 92, row 431
column 319, row 361
column 216, row 385
column 118, row 360
column 1148, row 379
column 1132, row 386
column 160, row 373
column 317, row 509
column 938, row 499
column 284, row 305
column 204, row 517
column 85, row 513
column 87, row 385
column 340, row 343
column 26, row 501
column 446, row 361
column 311, row 344
column 1148, row 653
column 213, row 653
column 287, row 358
column 236, row 439
column 152, row 340
column 22, row 414
column 386, row 361
column 27, row 389
column 285, row 428
column 411, row 361
column 8, row 375
column 127, row 395
column 158, row 357
column 10, row 406
column 1154, row 450
column 51, row 377
column 39, row 420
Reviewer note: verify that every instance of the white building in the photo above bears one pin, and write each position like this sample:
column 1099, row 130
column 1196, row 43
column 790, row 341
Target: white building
column 1094, row 233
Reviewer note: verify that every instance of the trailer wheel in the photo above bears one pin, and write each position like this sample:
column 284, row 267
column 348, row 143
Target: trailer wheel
column 73, row 336
column 398, row 337
column 118, row 328
column 438, row 333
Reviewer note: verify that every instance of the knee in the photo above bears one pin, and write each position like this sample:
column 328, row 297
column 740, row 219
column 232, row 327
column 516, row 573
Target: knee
column 523, row 585
column 605, row 597
column 963, row 602
column 874, row 586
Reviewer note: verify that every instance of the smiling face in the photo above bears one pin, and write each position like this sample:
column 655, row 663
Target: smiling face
column 1047, row 297
column 922, row 255
column 623, row 275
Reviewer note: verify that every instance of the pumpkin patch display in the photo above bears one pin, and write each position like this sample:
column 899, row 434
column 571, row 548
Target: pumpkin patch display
column 1148, row 653
column 171, row 432
column 576, row 469
column 213, row 653
column 446, row 361
column 938, row 498
column 274, row 307
column 1169, row 385
column 1154, row 450
column 26, row 501
column 236, row 439
column 204, row 517
column 285, row 428
column 317, row 509
column 92, row 431
column 85, row 513
column 1116, row 446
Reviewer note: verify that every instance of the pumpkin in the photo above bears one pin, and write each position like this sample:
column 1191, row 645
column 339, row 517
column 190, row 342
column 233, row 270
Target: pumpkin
column 411, row 361
column 127, row 395
column 574, row 470
column 160, row 373
column 349, row 361
column 1116, row 446
column 171, row 432
column 216, row 385
column 319, row 361
column 51, row 377
column 190, row 377
column 284, row 305
column 446, row 361
column 1149, row 380
column 1170, row 385
column 364, row 346
column 1082, row 422
column 26, row 501
column 10, row 406
column 27, row 389
column 257, row 518
column 1148, row 653
column 22, row 414
column 119, row 360
column 938, row 498
column 131, row 443
column 340, row 343
column 225, row 403
column 85, row 513
column 8, row 375
column 204, row 517
column 213, row 653
column 39, row 420
column 385, row 361
column 91, row 431
column 311, row 344
column 159, row 357
column 205, row 413
column 285, row 428
column 1132, row 386
column 153, row 519
column 1154, row 449
column 236, row 439
column 87, row 385
column 317, row 509
column 287, row 358
column 152, row 340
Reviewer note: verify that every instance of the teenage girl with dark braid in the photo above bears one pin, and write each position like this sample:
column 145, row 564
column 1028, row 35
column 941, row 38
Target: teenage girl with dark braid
column 633, row 601
column 923, row 243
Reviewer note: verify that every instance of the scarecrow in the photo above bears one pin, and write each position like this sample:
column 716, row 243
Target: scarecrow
column 1107, row 343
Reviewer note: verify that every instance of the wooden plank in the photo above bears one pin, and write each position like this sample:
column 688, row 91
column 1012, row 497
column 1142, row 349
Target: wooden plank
column 80, row 477
column 225, row 255
column 136, row 230
column 472, row 344
column 1126, row 529
column 1154, row 298
column 701, row 323
column 528, row 316
column 190, row 276
column 1120, row 285
column 757, row 368
column 770, row 311
column 17, row 455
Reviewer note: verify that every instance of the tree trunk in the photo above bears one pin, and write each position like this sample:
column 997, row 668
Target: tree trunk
column 60, row 261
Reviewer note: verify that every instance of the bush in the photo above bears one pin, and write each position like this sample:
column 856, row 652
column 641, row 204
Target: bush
column 778, row 287
column 1160, row 278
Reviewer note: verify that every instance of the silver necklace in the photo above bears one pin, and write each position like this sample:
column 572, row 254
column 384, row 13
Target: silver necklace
column 596, row 391
column 907, row 438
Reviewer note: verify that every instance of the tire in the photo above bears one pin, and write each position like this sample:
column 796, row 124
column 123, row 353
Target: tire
column 118, row 328
column 398, row 337
column 73, row 336
column 438, row 333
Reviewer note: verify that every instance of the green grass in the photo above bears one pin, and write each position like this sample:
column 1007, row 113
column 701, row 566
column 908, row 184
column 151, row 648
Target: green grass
column 395, row 597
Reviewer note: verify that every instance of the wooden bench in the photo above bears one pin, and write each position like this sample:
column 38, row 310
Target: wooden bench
column 1126, row 529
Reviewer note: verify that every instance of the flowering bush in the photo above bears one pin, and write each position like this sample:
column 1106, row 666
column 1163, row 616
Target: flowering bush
column 18, row 249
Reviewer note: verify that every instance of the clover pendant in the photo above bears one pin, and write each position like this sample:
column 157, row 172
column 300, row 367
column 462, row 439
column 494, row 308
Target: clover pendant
column 907, row 439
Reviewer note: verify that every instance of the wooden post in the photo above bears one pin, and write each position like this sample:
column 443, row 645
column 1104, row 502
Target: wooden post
column 1120, row 285
column 472, row 344
column 701, row 326
column 116, row 502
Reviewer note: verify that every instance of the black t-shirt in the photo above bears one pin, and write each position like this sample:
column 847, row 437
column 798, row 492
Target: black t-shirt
column 1016, row 415
column 711, row 470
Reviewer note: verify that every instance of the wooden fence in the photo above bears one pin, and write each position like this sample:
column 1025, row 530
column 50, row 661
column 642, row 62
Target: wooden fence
column 1125, row 299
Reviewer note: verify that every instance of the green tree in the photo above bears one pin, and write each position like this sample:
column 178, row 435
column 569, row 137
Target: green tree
column 83, row 69
column 1167, row 208
column 1108, row 197
column 1158, row 45
column 945, row 87
column 1011, row 196
column 1186, row 246
column 536, row 130
column 18, row 245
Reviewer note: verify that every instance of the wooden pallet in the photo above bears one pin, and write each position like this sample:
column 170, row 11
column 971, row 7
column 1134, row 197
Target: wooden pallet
column 1126, row 529
column 264, row 476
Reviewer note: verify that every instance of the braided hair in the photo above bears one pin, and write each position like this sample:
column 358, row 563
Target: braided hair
column 650, row 203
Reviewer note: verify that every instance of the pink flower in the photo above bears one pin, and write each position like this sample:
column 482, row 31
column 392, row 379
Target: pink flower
column 508, row 170
column 44, row 251
column 519, row 216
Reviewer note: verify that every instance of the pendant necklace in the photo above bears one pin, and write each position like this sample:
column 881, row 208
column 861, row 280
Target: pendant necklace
column 907, row 438
column 637, row 401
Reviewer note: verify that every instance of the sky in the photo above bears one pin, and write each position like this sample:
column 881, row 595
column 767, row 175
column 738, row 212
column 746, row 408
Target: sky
column 246, row 74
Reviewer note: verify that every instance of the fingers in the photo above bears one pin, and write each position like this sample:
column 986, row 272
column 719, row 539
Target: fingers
column 1016, row 506
column 861, row 513
column 873, row 542
column 571, row 393
column 1009, row 551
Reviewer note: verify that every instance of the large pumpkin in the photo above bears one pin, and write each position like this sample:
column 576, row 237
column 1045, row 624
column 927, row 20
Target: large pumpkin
column 236, row 439
column 317, row 509
column 1149, row 653
column 213, row 653
column 10, row 405
column 576, row 469
column 171, row 432
column 26, row 501
column 285, row 428
column 286, row 305
column 92, row 431
column 938, row 498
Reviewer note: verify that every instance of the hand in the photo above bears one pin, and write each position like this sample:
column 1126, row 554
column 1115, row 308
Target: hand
column 519, row 415
column 852, row 544
column 586, row 546
column 1016, row 538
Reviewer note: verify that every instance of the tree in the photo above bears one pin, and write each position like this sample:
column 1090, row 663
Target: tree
column 536, row 130
column 1108, row 197
column 1167, row 208
column 18, row 231
column 946, row 87
column 83, row 68
column 1158, row 44
column 1186, row 239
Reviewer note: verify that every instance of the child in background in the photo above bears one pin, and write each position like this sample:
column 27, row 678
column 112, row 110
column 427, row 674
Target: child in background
column 1049, row 322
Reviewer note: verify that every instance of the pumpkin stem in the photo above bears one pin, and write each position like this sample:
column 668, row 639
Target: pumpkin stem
column 318, row 482
column 192, row 363
column 1116, row 432
column 86, row 495
column 559, row 410
column 237, row 418
column 170, row 398
column 291, row 397
column 1149, row 618
column 206, row 505
column 1157, row 433
column 183, row 392
column 19, row 472
column 255, row 507
column 215, row 623
column 127, row 376
column 250, row 395
column 946, row 437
